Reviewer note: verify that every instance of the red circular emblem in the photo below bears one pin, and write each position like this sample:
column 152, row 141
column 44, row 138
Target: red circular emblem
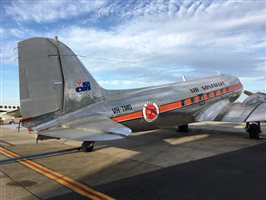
column 150, row 111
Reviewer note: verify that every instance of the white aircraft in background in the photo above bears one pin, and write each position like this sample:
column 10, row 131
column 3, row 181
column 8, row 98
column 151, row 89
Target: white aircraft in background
column 8, row 108
column 8, row 113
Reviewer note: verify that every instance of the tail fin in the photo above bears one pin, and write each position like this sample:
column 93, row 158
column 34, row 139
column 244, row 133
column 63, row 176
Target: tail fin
column 52, row 78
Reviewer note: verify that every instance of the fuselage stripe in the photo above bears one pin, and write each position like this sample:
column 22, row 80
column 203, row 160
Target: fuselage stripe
column 181, row 103
column 134, row 115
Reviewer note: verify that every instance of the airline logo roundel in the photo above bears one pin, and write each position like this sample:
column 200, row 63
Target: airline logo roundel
column 150, row 111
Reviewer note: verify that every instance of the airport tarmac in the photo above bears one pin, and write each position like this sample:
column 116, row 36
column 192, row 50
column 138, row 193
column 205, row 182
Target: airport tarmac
column 212, row 161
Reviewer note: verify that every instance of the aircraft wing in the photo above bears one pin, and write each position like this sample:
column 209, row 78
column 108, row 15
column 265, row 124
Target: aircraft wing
column 253, row 109
column 14, row 113
column 96, row 128
column 211, row 112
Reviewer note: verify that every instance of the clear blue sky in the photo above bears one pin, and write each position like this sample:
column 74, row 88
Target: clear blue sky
column 132, row 43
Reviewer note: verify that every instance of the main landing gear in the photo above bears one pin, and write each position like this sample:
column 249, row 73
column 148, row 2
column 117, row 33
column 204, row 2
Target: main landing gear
column 253, row 130
column 87, row 146
column 183, row 128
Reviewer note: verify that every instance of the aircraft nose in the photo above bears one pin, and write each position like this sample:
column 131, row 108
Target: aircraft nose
column 237, row 80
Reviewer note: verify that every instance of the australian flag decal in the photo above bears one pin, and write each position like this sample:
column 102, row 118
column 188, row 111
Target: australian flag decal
column 82, row 86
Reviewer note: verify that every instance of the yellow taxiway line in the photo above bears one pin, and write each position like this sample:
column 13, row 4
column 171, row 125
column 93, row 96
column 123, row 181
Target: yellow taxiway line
column 58, row 177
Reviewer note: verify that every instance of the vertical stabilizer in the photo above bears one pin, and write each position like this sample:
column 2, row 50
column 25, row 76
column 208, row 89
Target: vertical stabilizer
column 75, row 73
column 53, row 79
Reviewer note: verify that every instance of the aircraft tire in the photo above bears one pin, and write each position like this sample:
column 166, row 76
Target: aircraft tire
column 254, row 131
column 87, row 146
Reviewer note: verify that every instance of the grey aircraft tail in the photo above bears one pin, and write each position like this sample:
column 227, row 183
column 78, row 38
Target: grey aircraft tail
column 52, row 79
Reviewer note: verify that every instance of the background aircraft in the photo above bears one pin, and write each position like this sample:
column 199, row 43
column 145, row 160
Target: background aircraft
column 8, row 113
column 8, row 108
column 59, row 98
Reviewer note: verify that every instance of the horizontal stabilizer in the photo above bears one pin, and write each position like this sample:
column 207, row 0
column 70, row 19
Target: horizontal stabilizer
column 96, row 128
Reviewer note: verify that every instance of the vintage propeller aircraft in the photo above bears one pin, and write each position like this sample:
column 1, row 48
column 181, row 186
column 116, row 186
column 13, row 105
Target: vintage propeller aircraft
column 59, row 98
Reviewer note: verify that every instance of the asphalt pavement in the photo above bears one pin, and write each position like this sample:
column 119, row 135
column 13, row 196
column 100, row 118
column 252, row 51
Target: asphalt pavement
column 236, row 175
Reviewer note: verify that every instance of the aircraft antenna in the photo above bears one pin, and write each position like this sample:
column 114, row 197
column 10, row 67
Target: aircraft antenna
column 56, row 39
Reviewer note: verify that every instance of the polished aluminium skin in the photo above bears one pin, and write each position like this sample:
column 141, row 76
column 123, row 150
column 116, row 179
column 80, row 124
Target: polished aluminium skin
column 52, row 104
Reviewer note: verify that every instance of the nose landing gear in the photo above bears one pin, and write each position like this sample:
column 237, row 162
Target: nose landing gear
column 87, row 146
column 253, row 130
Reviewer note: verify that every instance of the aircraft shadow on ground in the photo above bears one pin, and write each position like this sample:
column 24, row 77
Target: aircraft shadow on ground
column 140, row 153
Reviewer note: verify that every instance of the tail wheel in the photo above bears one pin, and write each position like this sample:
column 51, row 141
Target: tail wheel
column 87, row 146
column 254, row 131
column 12, row 122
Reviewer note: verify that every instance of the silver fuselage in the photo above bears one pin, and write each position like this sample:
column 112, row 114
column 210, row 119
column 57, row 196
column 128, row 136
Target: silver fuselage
column 176, row 101
column 126, row 106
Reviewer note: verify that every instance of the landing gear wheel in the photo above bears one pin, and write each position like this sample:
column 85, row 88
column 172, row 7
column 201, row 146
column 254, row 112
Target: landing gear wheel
column 183, row 128
column 11, row 122
column 87, row 146
column 254, row 131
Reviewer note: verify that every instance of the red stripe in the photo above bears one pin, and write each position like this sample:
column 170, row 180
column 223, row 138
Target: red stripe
column 176, row 105
column 212, row 94
column 205, row 96
column 188, row 102
column 218, row 92
column 170, row 106
column 25, row 119
column 130, row 116
column 196, row 99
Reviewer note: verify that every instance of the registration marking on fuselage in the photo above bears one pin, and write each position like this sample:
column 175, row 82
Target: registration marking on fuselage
column 58, row 177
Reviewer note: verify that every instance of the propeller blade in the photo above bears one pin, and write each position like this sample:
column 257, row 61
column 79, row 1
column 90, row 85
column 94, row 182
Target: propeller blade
column 248, row 93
